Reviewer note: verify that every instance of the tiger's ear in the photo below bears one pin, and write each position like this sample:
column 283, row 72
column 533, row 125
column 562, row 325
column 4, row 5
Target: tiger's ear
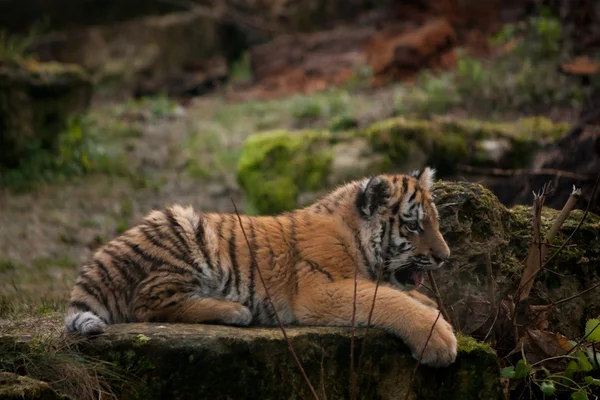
column 373, row 194
column 425, row 177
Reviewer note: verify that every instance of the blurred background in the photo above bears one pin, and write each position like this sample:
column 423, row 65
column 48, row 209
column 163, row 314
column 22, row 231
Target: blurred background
column 111, row 108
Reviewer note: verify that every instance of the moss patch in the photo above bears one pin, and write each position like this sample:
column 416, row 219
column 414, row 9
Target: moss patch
column 277, row 166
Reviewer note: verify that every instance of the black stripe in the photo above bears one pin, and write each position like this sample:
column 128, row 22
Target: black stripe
column 395, row 179
column 391, row 222
column 316, row 267
column 110, row 284
column 233, row 254
column 383, row 231
column 363, row 253
column 412, row 196
column 295, row 251
column 98, row 295
column 253, row 251
column 396, row 208
column 200, row 239
column 157, row 229
column 74, row 322
column 219, row 237
column 184, row 257
column 80, row 306
column 404, row 185
column 293, row 234
column 174, row 225
column 156, row 263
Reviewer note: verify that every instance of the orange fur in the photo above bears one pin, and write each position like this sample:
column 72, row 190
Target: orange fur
column 183, row 266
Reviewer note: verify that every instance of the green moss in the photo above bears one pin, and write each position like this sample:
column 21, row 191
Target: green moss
column 140, row 340
column 467, row 344
column 275, row 166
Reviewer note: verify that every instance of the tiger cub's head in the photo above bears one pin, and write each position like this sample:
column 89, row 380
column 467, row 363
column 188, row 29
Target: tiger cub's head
column 401, row 210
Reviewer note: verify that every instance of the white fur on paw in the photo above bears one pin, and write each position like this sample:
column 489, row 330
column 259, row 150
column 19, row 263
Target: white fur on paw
column 238, row 316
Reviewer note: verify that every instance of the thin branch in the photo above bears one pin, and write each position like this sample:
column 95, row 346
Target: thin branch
column 352, row 375
column 289, row 343
column 522, row 172
column 491, row 292
column 362, row 350
column 438, row 296
column 542, row 308
column 414, row 371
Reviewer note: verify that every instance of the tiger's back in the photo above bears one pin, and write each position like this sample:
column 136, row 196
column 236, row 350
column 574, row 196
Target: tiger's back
column 148, row 272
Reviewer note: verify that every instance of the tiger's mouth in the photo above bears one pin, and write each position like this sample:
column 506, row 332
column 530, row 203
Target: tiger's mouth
column 409, row 277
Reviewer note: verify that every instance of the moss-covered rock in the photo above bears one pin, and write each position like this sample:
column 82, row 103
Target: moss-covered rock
column 16, row 387
column 36, row 101
column 276, row 170
column 275, row 166
column 206, row 361
column 475, row 224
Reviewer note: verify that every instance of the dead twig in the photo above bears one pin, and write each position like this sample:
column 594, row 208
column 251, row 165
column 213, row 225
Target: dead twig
column 352, row 375
column 414, row 371
column 491, row 293
column 523, row 172
column 438, row 296
column 362, row 350
column 289, row 343
column 542, row 250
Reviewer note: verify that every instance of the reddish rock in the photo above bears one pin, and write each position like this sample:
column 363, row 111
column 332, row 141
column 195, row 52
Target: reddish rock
column 406, row 53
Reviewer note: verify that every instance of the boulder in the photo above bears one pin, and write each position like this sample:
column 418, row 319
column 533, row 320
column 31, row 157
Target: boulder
column 277, row 173
column 180, row 361
column 16, row 387
column 36, row 102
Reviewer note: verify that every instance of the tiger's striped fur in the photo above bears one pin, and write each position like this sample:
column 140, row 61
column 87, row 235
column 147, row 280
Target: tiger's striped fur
column 183, row 266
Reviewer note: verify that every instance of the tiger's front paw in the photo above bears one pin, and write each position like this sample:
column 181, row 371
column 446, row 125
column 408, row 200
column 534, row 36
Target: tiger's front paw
column 238, row 315
column 441, row 349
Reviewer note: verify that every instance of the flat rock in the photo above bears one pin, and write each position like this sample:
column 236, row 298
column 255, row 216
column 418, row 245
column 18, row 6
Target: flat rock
column 179, row 361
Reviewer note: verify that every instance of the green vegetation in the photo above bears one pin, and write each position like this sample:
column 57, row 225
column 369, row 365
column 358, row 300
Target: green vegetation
column 523, row 77
column 580, row 376
column 16, row 47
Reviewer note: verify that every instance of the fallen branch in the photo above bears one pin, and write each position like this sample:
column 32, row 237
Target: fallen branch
column 438, row 296
column 289, row 343
column 522, row 172
column 414, row 371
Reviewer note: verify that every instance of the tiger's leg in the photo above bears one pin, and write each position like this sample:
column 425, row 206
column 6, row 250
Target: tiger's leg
column 200, row 310
column 331, row 304
column 169, row 298
column 422, row 298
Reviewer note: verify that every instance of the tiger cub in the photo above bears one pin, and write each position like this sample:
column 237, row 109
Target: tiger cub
column 188, row 267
